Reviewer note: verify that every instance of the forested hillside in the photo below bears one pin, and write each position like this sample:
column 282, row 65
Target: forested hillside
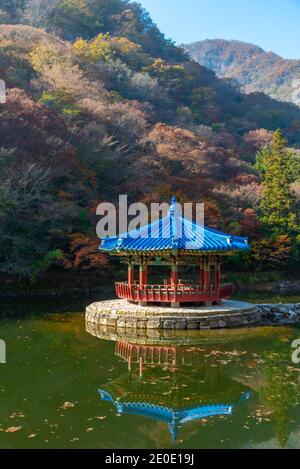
column 255, row 69
column 99, row 104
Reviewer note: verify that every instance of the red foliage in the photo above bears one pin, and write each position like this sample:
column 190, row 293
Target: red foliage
column 37, row 130
column 85, row 251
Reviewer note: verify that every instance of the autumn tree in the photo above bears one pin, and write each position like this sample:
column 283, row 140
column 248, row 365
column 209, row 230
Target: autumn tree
column 278, row 168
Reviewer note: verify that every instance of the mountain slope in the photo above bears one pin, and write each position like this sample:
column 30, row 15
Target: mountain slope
column 255, row 69
column 99, row 104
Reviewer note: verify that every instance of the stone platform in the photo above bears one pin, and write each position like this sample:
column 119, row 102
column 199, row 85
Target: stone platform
column 121, row 314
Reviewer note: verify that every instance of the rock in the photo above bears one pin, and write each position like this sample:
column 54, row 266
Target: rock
column 121, row 323
column 142, row 324
column 153, row 324
column 236, row 321
column 214, row 324
column 235, row 318
column 192, row 324
column 292, row 314
column 181, row 324
column 222, row 324
column 245, row 322
column 131, row 324
column 112, row 320
column 169, row 325
column 277, row 316
column 203, row 324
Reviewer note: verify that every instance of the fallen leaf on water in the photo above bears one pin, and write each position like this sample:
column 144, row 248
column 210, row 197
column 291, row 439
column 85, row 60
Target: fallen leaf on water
column 102, row 417
column 17, row 414
column 33, row 435
column 12, row 429
column 67, row 405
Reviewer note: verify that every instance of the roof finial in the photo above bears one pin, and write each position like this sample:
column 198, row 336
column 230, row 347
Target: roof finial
column 174, row 206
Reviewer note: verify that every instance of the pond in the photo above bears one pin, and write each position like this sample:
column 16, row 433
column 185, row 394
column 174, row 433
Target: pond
column 68, row 386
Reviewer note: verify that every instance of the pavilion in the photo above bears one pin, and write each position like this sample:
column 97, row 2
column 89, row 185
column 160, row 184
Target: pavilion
column 174, row 244
column 187, row 387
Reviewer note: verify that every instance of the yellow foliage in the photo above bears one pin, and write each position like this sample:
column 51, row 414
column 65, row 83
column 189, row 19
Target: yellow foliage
column 47, row 55
column 98, row 48
column 161, row 67
column 125, row 46
column 105, row 47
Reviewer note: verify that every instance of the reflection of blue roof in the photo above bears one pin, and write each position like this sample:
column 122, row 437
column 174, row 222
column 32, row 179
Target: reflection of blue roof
column 173, row 418
column 174, row 232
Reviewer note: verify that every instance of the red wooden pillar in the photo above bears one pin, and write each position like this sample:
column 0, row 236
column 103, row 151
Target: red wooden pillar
column 217, row 275
column 207, row 276
column 130, row 274
column 218, row 280
column 202, row 276
column 174, row 275
column 174, row 284
column 143, row 275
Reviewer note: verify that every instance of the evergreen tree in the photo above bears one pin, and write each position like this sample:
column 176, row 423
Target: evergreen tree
column 279, row 168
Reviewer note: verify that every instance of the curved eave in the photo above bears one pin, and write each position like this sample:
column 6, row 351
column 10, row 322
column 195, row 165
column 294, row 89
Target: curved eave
column 167, row 414
column 159, row 252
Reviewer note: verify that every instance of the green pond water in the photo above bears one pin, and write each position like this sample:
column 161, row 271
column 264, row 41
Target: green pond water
column 68, row 386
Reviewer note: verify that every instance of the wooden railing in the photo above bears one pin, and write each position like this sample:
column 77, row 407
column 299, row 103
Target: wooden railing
column 173, row 294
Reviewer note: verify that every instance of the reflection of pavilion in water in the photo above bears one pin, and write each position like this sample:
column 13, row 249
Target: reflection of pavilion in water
column 174, row 385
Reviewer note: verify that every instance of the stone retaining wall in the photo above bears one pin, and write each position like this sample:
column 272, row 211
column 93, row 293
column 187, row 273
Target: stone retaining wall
column 171, row 323
column 280, row 314
column 120, row 314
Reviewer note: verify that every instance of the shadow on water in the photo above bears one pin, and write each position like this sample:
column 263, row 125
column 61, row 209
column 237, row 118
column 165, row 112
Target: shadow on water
column 28, row 308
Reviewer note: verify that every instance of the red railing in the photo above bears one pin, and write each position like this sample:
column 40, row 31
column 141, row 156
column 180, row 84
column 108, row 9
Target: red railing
column 173, row 294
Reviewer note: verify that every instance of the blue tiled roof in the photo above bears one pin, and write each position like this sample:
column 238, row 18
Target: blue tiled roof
column 174, row 233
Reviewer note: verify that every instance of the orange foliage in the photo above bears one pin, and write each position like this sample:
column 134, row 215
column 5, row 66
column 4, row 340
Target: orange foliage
column 212, row 214
column 189, row 150
column 86, row 255
column 273, row 252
